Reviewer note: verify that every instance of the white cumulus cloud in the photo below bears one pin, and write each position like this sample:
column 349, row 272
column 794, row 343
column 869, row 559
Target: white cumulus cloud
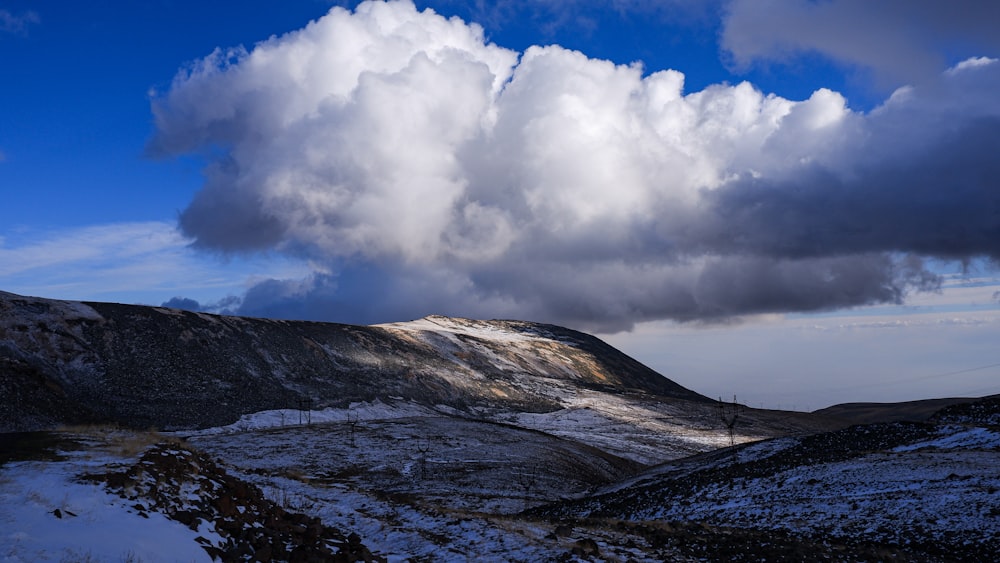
column 423, row 169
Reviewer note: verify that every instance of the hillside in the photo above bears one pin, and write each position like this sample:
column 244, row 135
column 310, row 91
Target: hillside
column 914, row 491
column 432, row 488
column 64, row 362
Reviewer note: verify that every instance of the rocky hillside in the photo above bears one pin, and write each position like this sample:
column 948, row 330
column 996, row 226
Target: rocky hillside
column 70, row 362
column 919, row 491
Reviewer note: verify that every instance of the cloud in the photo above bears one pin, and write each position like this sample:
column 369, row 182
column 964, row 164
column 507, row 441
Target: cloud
column 17, row 24
column 145, row 261
column 89, row 244
column 182, row 303
column 423, row 170
column 901, row 41
column 226, row 306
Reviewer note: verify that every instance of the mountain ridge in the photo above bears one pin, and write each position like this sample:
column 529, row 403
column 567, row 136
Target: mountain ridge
column 147, row 366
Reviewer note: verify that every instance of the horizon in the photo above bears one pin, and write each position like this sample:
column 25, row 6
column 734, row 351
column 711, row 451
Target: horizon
column 795, row 206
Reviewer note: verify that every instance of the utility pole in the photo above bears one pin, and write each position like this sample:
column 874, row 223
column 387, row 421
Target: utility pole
column 305, row 407
column 352, row 423
column 730, row 413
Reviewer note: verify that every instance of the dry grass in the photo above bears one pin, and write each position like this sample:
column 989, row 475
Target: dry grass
column 115, row 440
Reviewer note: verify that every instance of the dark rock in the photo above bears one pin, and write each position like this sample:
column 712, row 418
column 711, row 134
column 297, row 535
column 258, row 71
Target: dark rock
column 586, row 547
column 563, row 531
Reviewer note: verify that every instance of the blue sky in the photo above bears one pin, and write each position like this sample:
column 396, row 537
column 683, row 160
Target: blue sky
column 745, row 195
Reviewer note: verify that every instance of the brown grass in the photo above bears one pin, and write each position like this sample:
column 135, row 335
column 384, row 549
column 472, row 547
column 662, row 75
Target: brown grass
column 122, row 442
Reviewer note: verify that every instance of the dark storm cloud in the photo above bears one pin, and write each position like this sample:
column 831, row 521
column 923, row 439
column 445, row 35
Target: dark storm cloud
column 901, row 41
column 228, row 217
column 422, row 170
column 942, row 201
column 182, row 303
column 225, row 306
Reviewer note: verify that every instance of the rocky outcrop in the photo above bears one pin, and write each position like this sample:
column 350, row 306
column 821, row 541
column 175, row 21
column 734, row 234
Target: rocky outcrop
column 238, row 522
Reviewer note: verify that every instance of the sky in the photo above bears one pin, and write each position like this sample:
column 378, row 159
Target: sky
column 787, row 200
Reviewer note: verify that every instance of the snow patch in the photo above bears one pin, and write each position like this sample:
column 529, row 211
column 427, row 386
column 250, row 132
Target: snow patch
column 958, row 438
column 46, row 514
column 360, row 411
column 479, row 329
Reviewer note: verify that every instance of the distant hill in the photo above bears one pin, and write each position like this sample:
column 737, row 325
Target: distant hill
column 869, row 413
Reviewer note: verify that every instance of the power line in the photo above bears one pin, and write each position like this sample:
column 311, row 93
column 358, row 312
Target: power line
column 958, row 372
column 909, row 379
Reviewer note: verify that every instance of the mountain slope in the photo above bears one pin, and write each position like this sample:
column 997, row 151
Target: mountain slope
column 923, row 490
column 67, row 362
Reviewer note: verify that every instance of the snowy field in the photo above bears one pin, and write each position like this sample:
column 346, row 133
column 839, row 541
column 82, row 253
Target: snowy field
column 421, row 486
column 434, row 488
column 647, row 431
column 48, row 514
column 51, row 509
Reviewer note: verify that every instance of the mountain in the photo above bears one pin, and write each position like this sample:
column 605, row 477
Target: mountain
column 65, row 362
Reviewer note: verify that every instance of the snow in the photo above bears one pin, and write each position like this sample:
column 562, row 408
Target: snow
column 941, row 489
column 440, row 489
column 358, row 412
column 57, row 313
column 876, row 496
column 74, row 310
column 955, row 437
column 401, row 532
column 647, row 432
column 95, row 525
column 427, row 486
column 469, row 327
